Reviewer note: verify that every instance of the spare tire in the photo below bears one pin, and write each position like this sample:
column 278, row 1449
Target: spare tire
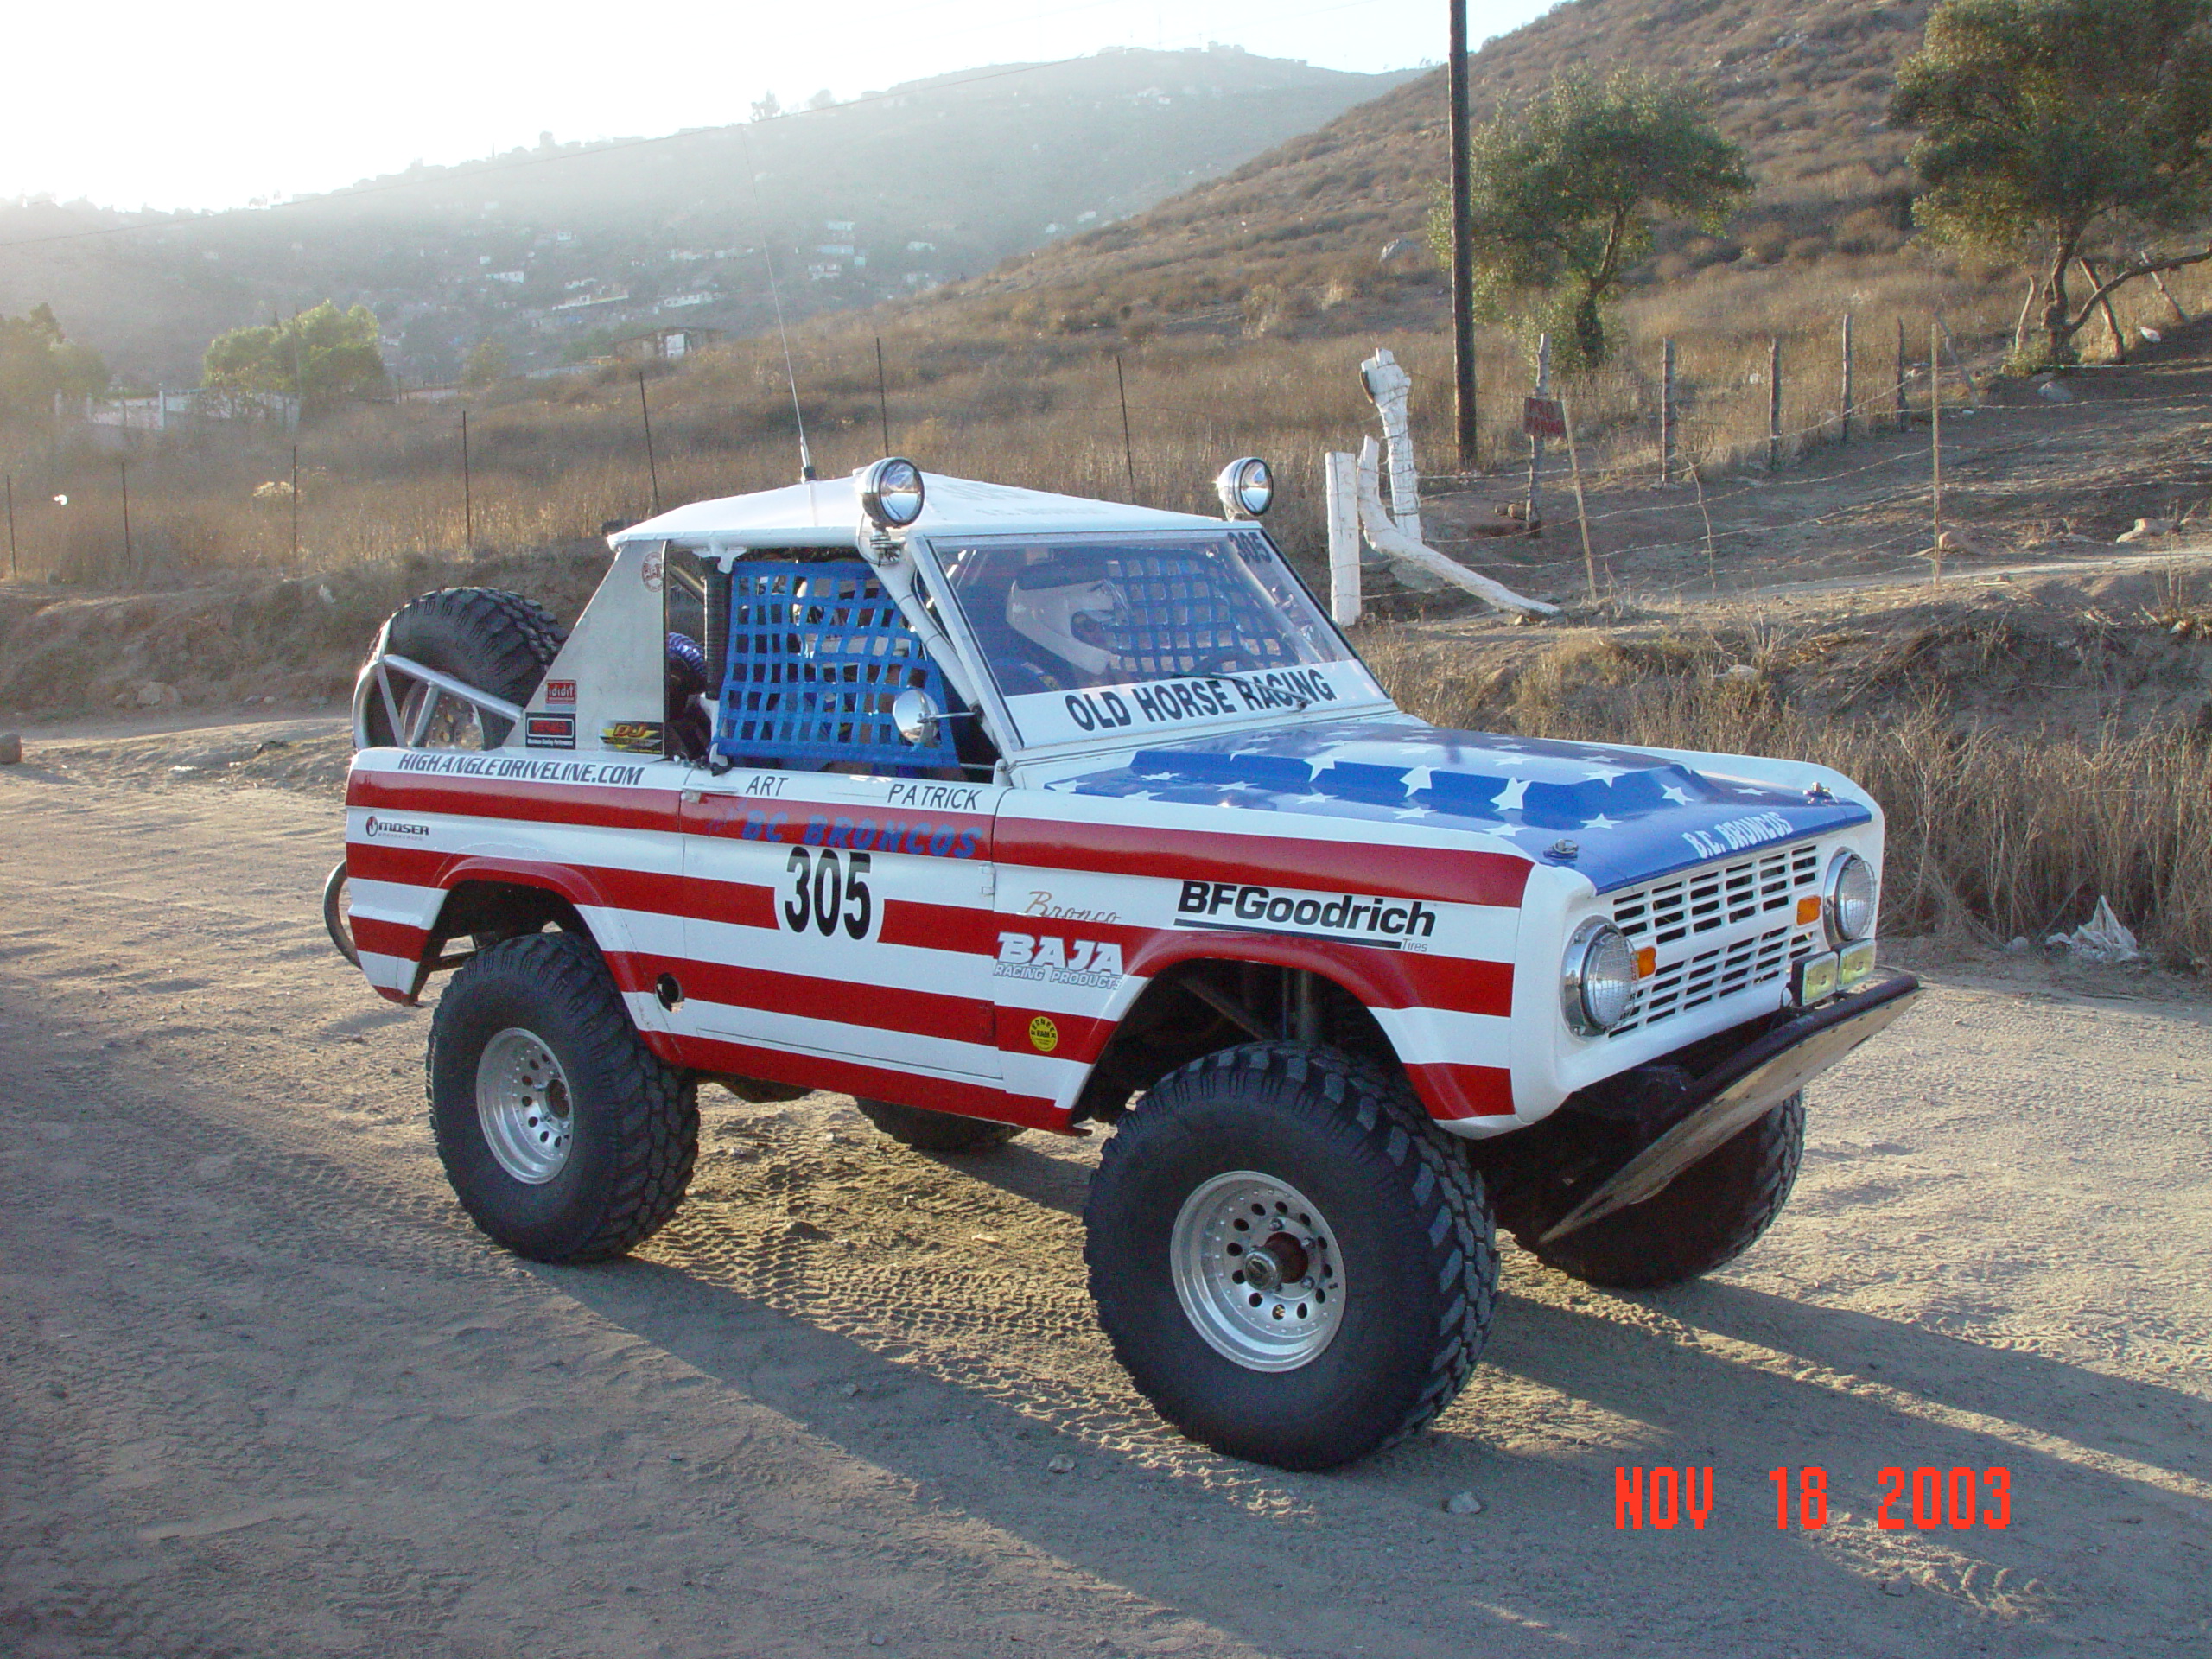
column 496, row 641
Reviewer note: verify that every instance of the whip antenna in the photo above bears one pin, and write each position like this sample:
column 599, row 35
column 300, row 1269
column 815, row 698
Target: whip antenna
column 776, row 299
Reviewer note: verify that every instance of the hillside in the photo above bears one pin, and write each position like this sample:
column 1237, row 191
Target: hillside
column 564, row 245
column 1803, row 87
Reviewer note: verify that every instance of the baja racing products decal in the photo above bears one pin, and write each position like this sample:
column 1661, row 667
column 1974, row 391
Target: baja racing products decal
column 550, row 731
column 633, row 736
column 1061, row 962
column 1393, row 924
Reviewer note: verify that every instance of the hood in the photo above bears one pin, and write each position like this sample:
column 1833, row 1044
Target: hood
column 1632, row 816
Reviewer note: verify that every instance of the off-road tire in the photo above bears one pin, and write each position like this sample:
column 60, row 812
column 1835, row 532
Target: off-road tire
column 634, row 1121
column 484, row 637
column 1704, row 1218
column 928, row 1131
column 1412, row 1226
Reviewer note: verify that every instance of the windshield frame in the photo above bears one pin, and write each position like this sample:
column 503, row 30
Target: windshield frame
column 1368, row 697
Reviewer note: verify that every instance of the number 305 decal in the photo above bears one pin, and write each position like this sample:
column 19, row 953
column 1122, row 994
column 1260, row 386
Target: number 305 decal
column 827, row 894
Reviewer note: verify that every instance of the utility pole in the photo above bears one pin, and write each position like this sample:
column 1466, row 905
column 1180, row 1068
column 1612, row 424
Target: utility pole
column 1463, row 275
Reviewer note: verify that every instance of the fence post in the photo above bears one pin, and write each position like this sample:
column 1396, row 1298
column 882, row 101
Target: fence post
column 1849, row 399
column 882, row 404
column 128, row 561
column 1935, row 445
column 1667, row 439
column 1581, row 512
column 296, row 503
column 1774, row 403
column 1128, row 446
column 1536, row 443
column 467, row 500
column 11, row 526
column 1341, row 480
column 1903, row 406
column 652, row 467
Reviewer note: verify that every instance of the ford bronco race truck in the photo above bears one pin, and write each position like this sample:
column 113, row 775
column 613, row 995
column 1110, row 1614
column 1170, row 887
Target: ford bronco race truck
column 998, row 812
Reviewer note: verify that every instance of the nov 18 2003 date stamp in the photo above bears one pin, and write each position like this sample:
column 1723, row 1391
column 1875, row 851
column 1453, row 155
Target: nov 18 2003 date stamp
column 1924, row 1498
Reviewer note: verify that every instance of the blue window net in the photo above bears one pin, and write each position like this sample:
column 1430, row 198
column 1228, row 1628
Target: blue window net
column 1181, row 612
column 817, row 654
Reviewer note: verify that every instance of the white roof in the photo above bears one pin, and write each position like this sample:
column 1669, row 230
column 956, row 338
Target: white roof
column 828, row 512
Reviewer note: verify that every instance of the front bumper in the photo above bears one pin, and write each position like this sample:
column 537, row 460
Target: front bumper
column 1744, row 1088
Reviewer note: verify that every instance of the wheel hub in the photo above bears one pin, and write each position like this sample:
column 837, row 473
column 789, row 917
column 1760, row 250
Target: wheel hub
column 1255, row 1271
column 523, row 1106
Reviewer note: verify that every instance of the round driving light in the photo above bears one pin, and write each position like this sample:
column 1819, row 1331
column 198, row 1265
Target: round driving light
column 1247, row 488
column 891, row 493
column 1849, row 902
column 1597, row 981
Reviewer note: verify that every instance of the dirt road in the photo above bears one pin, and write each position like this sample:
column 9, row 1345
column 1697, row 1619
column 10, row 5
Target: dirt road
column 266, row 1393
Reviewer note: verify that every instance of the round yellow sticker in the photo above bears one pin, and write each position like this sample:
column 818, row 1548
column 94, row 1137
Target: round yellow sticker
column 1044, row 1034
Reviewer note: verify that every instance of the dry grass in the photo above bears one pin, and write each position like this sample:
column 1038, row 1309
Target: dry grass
column 1992, row 834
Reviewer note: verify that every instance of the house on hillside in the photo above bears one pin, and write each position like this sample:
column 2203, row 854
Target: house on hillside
column 666, row 344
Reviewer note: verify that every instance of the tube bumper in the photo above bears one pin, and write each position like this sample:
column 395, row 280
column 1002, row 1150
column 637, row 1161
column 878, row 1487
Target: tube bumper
column 1745, row 1087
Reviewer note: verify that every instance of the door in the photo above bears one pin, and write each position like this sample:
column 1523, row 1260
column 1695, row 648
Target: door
column 838, row 931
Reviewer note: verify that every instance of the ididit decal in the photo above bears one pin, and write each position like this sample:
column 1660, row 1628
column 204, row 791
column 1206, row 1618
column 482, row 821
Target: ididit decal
column 1043, row 1035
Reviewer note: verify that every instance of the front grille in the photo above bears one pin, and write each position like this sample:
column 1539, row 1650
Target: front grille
column 1718, row 930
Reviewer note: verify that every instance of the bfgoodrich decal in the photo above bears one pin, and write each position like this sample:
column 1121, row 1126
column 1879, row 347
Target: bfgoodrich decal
column 1394, row 924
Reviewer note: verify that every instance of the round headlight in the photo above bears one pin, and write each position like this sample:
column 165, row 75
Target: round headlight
column 891, row 493
column 1849, row 903
column 1597, row 981
column 1247, row 488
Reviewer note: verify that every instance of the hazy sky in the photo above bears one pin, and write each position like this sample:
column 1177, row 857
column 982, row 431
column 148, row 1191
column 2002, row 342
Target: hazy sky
column 212, row 105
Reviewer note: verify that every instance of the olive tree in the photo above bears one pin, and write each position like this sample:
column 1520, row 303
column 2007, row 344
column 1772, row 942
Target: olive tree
column 2061, row 131
column 1563, row 192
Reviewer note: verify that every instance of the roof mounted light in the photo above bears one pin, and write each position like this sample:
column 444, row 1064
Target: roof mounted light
column 891, row 493
column 1247, row 488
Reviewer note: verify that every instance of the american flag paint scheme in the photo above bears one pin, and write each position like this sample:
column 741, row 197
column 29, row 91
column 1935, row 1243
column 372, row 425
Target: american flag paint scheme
column 1003, row 810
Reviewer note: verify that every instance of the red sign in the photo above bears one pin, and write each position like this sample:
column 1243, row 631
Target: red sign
column 1543, row 417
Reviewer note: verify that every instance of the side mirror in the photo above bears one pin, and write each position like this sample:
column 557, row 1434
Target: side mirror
column 915, row 713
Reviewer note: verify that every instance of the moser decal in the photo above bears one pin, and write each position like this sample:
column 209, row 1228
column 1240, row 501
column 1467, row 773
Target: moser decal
column 633, row 736
column 1060, row 962
column 550, row 731
column 563, row 692
column 1394, row 924
column 377, row 826
column 515, row 769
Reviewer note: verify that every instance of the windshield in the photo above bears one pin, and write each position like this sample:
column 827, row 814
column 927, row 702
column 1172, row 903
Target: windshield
column 1092, row 633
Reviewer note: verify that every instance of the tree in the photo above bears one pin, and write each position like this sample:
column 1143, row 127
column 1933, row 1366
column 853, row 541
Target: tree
column 2053, row 129
column 1564, row 191
column 766, row 108
column 322, row 357
column 37, row 359
column 486, row 364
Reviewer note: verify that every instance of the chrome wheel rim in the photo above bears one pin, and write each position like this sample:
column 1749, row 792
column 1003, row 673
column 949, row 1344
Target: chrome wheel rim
column 522, row 1103
column 1256, row 1270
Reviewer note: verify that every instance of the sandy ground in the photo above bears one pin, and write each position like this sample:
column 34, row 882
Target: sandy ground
column 266, row 1392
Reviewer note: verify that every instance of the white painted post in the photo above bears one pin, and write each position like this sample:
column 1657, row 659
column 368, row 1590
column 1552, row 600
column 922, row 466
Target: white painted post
column 1390, row 386
column 1341, row 473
